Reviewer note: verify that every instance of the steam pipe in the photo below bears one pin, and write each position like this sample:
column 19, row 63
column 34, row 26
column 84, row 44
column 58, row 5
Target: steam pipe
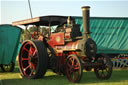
column 86, row 15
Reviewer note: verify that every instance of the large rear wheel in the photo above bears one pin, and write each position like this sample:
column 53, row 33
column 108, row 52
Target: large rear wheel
column 104, row 71
column 33, row 59
column 74, row 69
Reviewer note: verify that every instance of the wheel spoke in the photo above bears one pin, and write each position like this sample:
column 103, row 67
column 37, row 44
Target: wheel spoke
column 23, row 59
column 103, row 75
column 73, row 61
column 69, row 65
column 32, row 50
column 107, row 69
column 34, row 53
column 31, row 72
column 30, row 44
column 27, row 50
column 33, row 67
column 74, row 75
column 27, row 67
column 76, row 67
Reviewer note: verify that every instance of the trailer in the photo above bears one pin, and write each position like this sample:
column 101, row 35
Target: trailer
column 9, row 42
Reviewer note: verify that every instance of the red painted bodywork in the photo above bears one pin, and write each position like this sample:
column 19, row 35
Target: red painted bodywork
column 56, row 39
column 58, row 43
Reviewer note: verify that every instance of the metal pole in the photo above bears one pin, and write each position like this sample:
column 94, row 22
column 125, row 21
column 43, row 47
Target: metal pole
column 30, row 8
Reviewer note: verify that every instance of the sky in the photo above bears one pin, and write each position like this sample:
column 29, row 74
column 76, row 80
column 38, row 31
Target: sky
column 14, row 10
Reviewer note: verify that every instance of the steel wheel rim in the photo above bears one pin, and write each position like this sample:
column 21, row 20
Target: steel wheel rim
column 28, row 59
column 105, row 69
column 73, row 69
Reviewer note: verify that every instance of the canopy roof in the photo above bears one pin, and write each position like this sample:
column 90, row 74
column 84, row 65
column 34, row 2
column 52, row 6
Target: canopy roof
column 55, row 20
column 43, row 21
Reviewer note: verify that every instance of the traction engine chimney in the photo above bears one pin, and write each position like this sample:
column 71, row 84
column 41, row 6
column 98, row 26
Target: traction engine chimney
column 86, row 15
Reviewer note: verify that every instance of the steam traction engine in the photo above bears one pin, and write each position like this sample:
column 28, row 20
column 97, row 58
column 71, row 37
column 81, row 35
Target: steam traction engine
column 65, row 51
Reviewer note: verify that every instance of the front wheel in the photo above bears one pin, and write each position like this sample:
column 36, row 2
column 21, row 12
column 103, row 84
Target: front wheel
column 104, row 71
column 74, row 69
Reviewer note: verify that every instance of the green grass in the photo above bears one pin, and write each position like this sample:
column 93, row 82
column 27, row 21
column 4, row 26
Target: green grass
column 119, row 77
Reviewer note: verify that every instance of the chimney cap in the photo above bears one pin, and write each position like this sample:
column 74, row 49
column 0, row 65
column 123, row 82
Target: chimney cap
column 85, row 7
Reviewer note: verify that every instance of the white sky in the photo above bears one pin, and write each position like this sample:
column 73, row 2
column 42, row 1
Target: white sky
column 14, row 10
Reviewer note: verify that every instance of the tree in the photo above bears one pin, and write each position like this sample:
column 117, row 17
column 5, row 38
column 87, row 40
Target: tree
column 32, row 29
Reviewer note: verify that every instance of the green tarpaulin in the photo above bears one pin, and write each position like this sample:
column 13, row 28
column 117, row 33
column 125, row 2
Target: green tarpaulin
column 9, row 41
column 110, row 34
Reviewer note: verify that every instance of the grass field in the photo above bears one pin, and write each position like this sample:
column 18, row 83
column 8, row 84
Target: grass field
column 119, row 77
